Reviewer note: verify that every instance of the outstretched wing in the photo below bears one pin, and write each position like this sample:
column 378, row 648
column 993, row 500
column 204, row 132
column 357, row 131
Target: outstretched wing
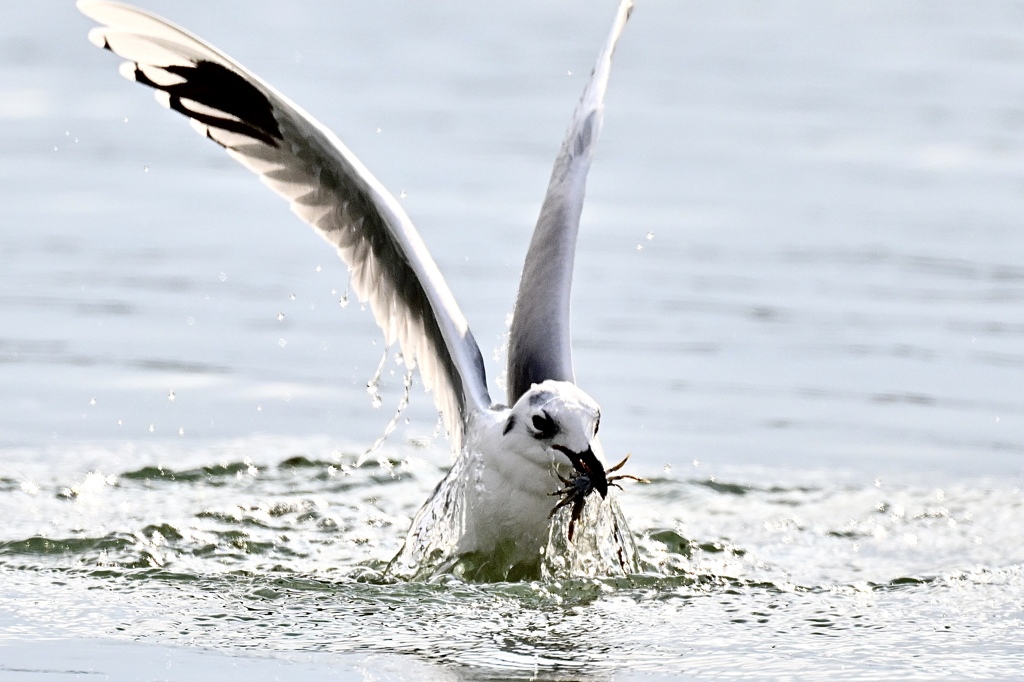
column 327, row 187
column 538, row 347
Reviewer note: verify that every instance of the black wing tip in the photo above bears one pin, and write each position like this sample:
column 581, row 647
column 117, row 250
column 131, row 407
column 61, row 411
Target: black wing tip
column 230, row 125
column 247, row 110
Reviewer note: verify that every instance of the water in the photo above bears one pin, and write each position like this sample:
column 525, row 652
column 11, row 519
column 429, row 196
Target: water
column 815, row 354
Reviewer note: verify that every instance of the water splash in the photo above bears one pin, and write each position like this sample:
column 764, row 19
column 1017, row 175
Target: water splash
column 438, row 526
column 403, row 402
column 373, row 385
column 602, row 546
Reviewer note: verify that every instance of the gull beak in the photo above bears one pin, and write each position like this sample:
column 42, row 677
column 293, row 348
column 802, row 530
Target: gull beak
column 588, row 464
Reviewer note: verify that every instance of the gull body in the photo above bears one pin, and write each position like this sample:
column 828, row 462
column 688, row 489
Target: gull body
column 510, row 472
column 491, row 516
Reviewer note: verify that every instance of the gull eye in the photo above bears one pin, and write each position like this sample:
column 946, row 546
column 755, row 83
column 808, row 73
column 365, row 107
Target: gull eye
column 544, row 425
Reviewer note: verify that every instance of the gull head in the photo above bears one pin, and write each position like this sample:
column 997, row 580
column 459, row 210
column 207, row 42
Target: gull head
column 557, row 422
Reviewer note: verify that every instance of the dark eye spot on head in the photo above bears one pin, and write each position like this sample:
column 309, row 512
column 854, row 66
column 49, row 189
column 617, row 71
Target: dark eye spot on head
column 544, row 425
column 510, row 424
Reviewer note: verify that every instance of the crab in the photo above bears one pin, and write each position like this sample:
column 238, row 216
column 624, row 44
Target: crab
column 590, row 476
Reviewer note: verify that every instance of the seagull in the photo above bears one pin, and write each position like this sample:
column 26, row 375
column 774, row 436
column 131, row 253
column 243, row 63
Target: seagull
column 503, row 510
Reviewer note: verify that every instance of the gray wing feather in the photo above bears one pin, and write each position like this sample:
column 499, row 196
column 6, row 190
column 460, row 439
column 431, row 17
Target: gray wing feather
column 326, row 186
column 539, row 346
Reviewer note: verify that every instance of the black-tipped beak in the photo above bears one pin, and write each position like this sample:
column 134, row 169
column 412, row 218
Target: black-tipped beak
column 589, row 465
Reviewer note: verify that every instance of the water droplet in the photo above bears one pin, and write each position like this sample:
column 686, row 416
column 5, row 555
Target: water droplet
column 124, row 120
column 223, row 276
column 145, row 169
column 120, row 422
column 343, row 301
column 282, row 343
column 568, row 72
column 67, row 133
column 372, row 386
column 152, row 428
column 54, row 147
column 259, row 408
column 650, row 235
column 190, row 321
column 378, row 130
column 280, row 316
column 181, row 430
column 318, row 268
column 92, row 401
column 291, row 297
column 171, row 396
column 401, row 195
column 639, row 247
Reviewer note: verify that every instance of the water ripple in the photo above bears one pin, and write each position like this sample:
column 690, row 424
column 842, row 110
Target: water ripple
column 288, row 553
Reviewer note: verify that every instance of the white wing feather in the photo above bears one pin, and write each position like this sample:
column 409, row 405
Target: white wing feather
column 327, row 187
column 539, row 347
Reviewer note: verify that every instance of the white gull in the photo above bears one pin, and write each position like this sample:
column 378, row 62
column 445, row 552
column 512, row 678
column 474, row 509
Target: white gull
column 492, row 516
